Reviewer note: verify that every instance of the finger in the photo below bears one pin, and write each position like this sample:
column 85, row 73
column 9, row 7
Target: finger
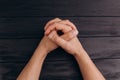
column 62, row 41
column 70, row 35
column 58, row 26
column 69, row 23
column 58, row 40
column 51, row 22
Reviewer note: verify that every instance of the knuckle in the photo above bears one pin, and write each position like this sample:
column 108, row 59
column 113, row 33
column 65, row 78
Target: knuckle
column 67, row 20
column 57, row 18
column 77, row 32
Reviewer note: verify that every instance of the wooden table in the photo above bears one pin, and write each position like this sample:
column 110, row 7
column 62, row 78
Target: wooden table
column 21, row 29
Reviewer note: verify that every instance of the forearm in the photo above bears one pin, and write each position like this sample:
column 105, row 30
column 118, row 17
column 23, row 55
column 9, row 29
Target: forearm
column 87, row 67
column 33, row 68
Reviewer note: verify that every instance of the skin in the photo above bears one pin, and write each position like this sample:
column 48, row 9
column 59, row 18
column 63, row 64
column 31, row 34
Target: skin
column 69, row 42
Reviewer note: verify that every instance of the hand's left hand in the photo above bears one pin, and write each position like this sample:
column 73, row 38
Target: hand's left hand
column 57, row 24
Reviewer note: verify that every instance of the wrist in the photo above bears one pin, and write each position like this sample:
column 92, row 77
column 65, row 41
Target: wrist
column 41, row 48
column 80, row 53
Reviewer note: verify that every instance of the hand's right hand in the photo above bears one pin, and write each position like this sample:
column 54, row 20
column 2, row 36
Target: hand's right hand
column 72, row 46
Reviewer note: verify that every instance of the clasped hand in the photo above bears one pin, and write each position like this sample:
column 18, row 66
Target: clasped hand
column 68, row 41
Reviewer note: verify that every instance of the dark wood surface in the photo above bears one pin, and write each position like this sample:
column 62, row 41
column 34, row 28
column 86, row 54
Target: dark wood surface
column 59, row 8
column 21, row 29
column 33, row 27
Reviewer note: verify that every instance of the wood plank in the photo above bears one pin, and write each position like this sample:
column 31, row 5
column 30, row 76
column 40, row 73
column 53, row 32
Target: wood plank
column 62, row 70
column 33, row 27
column 109, row 68
column 20, row 50
column 59, row 8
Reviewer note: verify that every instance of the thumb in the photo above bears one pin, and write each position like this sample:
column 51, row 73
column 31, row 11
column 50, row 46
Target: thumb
column 69, row 35
column 58, row 40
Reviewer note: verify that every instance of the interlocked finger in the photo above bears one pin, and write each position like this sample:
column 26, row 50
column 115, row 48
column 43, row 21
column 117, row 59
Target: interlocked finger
column 51, row 22
column 58, row 26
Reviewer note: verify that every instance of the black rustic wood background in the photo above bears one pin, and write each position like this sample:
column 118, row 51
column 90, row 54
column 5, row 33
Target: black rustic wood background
column 21, row 29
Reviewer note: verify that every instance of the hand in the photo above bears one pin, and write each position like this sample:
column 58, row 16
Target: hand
column 72, row 46
column 63, row 23
column 57, row 24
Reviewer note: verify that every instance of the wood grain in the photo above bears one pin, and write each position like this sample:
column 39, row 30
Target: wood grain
column 55, row 70
column 20, row 8
column 33, row 27
column 20, row 50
